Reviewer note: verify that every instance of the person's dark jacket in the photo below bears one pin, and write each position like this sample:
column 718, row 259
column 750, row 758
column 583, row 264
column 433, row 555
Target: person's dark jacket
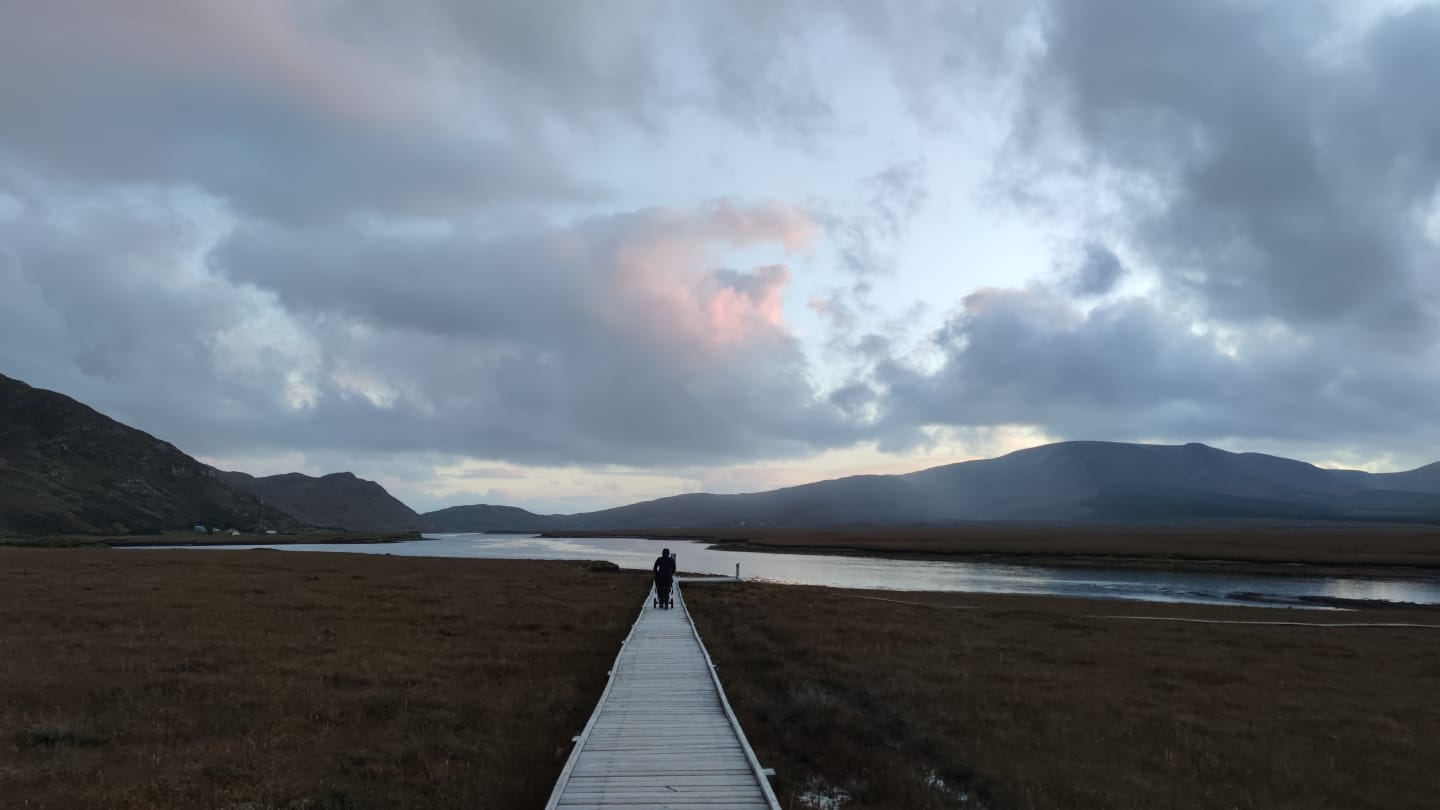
column 664, row 567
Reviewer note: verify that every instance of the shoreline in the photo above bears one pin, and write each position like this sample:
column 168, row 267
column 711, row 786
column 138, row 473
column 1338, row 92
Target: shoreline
column 1298, row 568
column 1416, row 558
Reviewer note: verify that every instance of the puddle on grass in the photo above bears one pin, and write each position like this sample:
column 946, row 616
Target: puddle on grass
column 956, row 796
column 820, row 796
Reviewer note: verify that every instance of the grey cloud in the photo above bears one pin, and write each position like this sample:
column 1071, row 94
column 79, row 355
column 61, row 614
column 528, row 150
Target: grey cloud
column 756, row 68
column 1097, row 272
column 432, row 108
column 1273, row 175
column 1128, row 370
column 547, row 59
column 607, row 342
column 1287, row 167
column 377, row 158
column 242, row 102
column 854, row 398
column 93, row 305
column 289, row 112
column 866, row 239
column 587, row 64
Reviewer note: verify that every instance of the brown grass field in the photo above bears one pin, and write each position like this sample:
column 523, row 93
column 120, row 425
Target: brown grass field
column 187, row 538
column 1359, row 549
column 266, row 679
column 1028, row 702
column 279, row 681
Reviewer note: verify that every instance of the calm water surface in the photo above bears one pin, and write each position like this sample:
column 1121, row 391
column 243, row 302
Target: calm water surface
column 903, row 575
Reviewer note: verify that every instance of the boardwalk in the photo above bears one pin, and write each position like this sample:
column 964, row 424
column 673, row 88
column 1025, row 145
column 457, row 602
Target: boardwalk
column 662, row 735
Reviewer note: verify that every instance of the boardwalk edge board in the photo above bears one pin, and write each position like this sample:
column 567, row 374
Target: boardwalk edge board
column 761, row 774
column 579, row 742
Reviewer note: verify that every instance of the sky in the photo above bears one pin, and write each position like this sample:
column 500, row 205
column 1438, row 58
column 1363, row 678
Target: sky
column 570, row 255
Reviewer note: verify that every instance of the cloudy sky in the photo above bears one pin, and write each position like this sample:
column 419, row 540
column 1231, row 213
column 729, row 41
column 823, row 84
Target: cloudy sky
column 566, row 255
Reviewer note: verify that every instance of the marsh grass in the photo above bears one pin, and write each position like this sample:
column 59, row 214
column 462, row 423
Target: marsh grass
column 156, row 679
column 186, row 537
column 1028, row 702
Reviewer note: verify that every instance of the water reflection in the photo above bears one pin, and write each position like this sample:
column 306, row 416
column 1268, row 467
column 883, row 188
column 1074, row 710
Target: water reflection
column 906, row 575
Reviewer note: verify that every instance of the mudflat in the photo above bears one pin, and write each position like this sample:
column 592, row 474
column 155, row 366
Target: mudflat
column 267, row 679
column 910, row 700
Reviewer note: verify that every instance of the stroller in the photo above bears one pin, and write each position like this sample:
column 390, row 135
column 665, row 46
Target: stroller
column 664, row 593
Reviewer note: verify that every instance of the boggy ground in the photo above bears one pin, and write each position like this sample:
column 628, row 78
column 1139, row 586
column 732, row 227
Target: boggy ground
column 1311, row 549
column 187, row 538
column 1033, row 702
column 266, row 679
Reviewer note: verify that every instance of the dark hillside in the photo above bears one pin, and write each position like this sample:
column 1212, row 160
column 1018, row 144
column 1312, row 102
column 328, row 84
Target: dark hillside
column 66, row 468
column 335, row 501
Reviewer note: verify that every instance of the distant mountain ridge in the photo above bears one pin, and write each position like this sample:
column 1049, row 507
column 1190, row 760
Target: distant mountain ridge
column 1069, row 482
column 335, row 501
column 66, row 468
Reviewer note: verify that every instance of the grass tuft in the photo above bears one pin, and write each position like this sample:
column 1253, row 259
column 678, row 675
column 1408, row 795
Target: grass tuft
column 52, row 736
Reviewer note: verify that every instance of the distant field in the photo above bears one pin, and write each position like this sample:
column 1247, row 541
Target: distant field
column 1029, row 703
column 187, row 538
column 143, row 680
column 1335, row 548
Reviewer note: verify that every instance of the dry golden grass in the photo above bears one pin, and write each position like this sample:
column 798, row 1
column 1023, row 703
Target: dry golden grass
column 255, row 679
column 187, row 538
column 1027, row 702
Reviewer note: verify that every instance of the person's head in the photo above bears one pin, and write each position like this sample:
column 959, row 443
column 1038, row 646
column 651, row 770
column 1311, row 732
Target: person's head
column 665, row 552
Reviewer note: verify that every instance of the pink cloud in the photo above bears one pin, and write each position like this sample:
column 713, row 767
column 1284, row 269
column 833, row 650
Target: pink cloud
column 768, row 222
column 745, row 304
column 663, row 279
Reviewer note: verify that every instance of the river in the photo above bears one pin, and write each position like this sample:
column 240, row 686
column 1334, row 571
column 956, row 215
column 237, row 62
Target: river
column 906, row 575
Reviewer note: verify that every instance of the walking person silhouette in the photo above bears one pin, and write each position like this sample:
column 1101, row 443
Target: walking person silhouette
column 664, row 579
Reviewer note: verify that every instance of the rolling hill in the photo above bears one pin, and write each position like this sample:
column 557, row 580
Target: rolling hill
column 487, row 518
column 66, row 468
column 1068, row 482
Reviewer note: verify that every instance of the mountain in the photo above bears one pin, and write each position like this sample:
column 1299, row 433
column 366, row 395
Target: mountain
column 66, row 468
column 1072, row 482
column 336, row 501
column 485, row 518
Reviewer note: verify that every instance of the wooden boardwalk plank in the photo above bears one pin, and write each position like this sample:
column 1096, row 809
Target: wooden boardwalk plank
column 662, row 735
